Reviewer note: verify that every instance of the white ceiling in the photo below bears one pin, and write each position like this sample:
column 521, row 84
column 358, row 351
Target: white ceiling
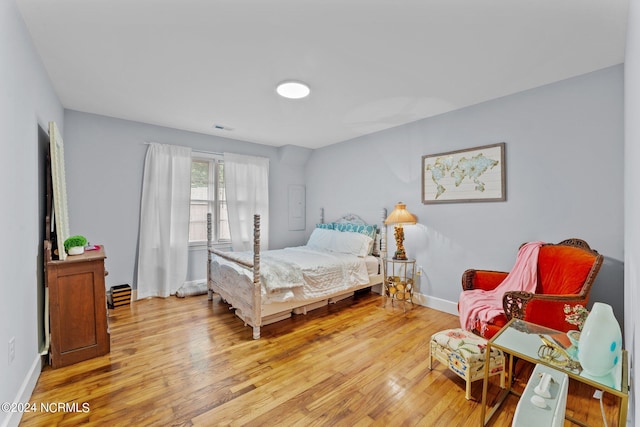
column 371, row 64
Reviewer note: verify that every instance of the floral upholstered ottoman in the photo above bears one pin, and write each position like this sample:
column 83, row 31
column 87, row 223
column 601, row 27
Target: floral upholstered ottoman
column 464, row 353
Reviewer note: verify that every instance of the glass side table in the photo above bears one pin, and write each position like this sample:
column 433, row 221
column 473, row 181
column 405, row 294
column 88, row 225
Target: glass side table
column 527, row 341
column 399, row 278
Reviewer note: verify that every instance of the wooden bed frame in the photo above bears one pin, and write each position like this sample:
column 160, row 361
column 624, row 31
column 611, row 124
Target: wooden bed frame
column 255, row 313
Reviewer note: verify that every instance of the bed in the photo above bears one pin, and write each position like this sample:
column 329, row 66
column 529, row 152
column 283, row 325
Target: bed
column 263, row 288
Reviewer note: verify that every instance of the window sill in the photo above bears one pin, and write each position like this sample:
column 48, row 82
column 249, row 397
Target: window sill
column 201, row 246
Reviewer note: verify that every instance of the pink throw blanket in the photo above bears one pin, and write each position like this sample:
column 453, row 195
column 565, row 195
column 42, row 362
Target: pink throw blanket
column 485, row 306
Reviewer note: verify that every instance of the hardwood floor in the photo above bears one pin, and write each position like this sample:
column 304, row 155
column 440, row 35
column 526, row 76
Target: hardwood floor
column 192, row 362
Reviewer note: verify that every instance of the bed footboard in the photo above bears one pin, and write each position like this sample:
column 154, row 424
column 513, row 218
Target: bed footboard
column 255, row 303
column 257, row 289
column 209, row 258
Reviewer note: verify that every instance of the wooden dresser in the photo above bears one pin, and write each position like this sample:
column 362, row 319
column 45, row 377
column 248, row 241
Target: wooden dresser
column 77, row 307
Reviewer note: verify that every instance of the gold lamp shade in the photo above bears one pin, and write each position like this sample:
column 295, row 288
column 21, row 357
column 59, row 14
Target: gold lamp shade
column 400, row 216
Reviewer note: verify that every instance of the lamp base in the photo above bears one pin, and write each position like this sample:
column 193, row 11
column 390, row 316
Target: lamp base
column 399, row 235
column 402, row 257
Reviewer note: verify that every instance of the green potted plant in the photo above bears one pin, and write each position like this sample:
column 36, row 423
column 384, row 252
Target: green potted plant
column 74, row 245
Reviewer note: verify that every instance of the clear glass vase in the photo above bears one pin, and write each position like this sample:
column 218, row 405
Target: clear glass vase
column 600, row 345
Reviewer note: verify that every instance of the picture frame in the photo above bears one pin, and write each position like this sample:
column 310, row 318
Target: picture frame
column 469, row 175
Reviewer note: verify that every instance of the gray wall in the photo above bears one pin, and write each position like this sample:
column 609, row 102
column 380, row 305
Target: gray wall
column 104, row 161
column 27, row 103
column 564, row 173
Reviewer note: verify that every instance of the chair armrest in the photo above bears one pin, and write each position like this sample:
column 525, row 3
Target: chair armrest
column 482, row 279
column 547, row 310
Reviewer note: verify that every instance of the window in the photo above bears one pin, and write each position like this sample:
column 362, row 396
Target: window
column 207, row 195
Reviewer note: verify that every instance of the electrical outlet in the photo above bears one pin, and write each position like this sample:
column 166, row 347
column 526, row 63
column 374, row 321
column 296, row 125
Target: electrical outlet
column 419, row 271
column 12, row 349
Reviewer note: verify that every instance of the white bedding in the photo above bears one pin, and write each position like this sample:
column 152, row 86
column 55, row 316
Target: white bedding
column 324, row 272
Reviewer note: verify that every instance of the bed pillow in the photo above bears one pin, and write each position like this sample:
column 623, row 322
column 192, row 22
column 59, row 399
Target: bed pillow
column 366, row 229
column 327, row 226
column 337, row 241
column 353, row 243
column 321, row 238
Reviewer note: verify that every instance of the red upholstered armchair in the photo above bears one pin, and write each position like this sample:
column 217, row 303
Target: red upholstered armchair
column 565, row 271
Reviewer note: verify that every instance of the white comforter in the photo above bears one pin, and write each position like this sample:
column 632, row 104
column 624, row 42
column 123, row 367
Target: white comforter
column 322, row 272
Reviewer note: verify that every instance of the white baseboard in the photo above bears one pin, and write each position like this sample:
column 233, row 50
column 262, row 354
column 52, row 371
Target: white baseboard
column 428, row 301
column 436, row 303
column 12, row 419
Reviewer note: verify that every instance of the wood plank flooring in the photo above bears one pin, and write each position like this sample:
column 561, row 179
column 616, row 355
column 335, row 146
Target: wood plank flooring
column 191, row 361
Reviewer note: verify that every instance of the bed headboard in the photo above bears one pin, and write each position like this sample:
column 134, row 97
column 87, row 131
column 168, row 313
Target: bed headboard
column 380, row 246
column 351, row 219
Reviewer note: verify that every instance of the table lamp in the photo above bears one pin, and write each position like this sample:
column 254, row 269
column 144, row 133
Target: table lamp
column 399, row 217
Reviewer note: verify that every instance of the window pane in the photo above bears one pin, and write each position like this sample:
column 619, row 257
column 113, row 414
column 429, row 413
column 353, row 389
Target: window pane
column 200, row 179
column 208, row 195
column 198, row 221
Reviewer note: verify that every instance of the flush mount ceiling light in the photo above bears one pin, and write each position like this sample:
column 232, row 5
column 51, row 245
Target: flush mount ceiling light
column 293, row 89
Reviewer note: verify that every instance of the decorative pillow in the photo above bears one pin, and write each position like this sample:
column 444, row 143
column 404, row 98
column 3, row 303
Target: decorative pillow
column 366, row 229
column 326, row 226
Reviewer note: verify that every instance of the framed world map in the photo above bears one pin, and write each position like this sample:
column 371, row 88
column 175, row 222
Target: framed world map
column 470, row 175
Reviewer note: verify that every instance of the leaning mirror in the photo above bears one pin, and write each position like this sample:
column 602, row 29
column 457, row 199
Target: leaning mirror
column 61, row 215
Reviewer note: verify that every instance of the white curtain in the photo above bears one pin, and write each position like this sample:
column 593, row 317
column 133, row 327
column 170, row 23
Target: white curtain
column 164, row 220
column 246, row 182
